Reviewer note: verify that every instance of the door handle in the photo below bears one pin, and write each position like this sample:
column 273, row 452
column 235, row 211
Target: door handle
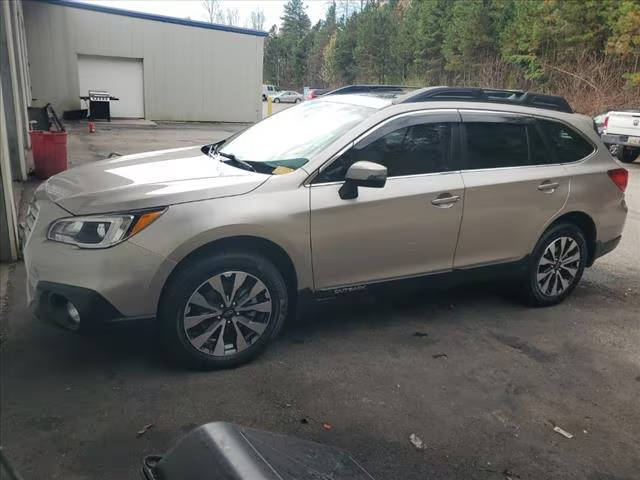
column 445, row 200
column 548, row 186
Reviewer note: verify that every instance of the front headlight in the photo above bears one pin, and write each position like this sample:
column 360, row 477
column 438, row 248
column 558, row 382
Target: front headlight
column 101, row 231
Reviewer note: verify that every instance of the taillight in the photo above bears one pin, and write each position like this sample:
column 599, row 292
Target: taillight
column 620, row 177
column 606, row 122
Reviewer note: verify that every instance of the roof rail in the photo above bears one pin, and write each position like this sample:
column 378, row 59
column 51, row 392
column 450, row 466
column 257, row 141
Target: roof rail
column 488, row 95
column 368, row 89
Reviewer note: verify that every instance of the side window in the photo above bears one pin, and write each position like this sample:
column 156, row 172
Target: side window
column 568, row 144
column 411, row 150
column 496, row 145
column 539, row 152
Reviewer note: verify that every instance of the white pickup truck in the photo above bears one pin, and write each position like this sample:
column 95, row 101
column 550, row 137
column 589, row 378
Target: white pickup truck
column 621, row 133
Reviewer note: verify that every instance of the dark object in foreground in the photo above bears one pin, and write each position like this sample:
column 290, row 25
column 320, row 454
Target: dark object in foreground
column 223, row 451
column 7, row 466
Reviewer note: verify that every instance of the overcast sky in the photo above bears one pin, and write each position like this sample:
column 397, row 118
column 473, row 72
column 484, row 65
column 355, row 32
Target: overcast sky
column 193, row 8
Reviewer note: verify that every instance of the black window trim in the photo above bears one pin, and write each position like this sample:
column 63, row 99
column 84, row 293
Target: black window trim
column 455, row 148
column 547, row 145
column 516, row 115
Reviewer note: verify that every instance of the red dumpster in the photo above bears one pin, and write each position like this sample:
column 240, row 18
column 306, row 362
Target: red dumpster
column 49, row 152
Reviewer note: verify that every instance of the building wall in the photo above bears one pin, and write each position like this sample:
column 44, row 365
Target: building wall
column 190, row 73
column 14, row 99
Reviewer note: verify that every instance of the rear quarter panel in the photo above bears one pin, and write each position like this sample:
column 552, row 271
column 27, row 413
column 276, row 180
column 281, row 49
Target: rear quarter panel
column 591, row 191
column 594, row 193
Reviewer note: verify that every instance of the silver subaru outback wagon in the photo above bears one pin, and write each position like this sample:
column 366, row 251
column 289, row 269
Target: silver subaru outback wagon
column 345, row 192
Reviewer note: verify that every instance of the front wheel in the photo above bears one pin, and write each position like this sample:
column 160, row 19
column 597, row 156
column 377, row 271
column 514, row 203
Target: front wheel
column 627, row 154
column 557, row 264
column 276, row 100
column 224, row 310
column 297, row 100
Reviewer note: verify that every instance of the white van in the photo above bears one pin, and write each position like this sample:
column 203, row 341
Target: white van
column 268, row 90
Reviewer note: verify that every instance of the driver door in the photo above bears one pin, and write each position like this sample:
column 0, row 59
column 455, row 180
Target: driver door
column 407, row 228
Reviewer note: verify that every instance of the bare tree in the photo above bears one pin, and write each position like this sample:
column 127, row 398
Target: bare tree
column 210, row 6
column 233, row 16
column 256, row 19
column 344, row 8
column 214, row 12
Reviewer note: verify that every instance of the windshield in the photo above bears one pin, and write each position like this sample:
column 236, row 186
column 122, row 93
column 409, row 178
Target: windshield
column 286, row 141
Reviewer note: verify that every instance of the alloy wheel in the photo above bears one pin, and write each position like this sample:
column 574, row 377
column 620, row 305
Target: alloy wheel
column 558, row 266
column 228, row 313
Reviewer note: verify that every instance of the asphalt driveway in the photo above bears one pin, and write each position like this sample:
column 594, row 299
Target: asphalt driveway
column 480, row 378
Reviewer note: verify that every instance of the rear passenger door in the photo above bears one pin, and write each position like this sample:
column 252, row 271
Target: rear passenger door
column 513, row 186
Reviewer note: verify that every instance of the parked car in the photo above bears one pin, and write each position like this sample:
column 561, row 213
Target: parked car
column 287, row 96
column 311, row 93
column 221, row 243
column 621, row 133
column 268, row 90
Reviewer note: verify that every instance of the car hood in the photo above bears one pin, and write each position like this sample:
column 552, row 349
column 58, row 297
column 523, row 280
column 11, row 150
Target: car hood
column 149, row 179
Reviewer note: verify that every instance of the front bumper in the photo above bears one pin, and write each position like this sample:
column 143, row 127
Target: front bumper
column 108, row 284
column 50, row 303
column 624, row 140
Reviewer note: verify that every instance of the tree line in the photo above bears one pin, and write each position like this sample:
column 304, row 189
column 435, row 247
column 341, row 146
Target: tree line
column 585, row 50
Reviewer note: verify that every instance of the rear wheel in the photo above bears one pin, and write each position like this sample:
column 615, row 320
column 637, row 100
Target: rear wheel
column 627, row 154
column 224, row 310
column 557, row 264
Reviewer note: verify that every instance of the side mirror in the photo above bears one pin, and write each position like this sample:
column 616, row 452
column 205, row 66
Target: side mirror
column 362, row 174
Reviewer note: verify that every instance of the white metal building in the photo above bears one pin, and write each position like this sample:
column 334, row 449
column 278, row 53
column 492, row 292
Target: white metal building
column 161, row 68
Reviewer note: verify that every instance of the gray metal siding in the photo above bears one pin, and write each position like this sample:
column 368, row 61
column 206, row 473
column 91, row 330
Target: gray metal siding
column 190, row 73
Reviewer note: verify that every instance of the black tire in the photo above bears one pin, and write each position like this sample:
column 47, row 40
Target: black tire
column 627, row 154
column 276, row 100
column 532, row 291
column 264, row 98
column 297, row 100
column 190, row 278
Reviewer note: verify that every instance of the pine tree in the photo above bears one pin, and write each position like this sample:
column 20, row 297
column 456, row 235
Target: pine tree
column 295, row 43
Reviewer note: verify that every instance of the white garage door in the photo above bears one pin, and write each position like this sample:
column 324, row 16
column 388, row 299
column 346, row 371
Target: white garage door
column 121, row 77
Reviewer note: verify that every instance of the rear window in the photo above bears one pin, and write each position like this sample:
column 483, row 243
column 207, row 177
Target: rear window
column 568, row 144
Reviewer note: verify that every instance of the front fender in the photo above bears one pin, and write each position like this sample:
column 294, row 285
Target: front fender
column 278, row 217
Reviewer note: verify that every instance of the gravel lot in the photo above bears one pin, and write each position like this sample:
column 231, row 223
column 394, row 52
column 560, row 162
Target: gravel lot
column 480, row 378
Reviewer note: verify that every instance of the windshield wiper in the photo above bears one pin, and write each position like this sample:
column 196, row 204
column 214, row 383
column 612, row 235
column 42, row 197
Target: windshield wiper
column 232, row 157
column 214, row 149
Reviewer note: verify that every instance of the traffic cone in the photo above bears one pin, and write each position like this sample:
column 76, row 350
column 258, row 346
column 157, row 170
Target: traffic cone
column 92, row 127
